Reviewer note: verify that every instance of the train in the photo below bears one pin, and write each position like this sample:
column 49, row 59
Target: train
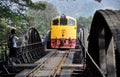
column 63, row 32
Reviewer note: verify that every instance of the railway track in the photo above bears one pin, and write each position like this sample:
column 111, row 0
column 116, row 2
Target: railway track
column 51, row 66
column 57, row 63
column 41, row 65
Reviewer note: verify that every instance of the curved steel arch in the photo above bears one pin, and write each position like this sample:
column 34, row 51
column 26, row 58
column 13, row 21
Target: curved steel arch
column 103, row 39
column 33, row 36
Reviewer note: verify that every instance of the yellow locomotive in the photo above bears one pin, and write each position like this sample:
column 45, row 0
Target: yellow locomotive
column 63, row 32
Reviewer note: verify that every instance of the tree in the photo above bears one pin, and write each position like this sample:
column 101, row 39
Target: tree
column 3, row 30
column 14, row 10
column 12, row 14
column 40, row 19
column 84, row 22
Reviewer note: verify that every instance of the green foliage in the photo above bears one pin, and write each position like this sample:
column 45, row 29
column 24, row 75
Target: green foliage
column 3, row 30
column 40, row 19
column 11, row 8
column 84, row 22
column 14, row 9
column 39, row 6
column 12, row 15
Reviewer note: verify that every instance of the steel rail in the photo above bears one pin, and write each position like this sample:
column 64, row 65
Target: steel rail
column 58, row 56
column 36, row 69
column 51, row 65
column 56, row 71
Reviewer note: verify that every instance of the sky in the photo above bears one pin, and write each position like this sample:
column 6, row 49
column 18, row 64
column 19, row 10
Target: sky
column 85, row 8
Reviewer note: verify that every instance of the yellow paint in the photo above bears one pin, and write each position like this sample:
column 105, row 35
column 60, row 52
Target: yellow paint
column 65, row 31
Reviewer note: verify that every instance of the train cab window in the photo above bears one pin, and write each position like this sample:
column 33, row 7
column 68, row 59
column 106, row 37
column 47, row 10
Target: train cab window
column 71, row 22
column 55, row 22
column 63, row 20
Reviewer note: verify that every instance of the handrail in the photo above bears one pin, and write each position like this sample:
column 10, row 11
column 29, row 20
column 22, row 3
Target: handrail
column 88, row 57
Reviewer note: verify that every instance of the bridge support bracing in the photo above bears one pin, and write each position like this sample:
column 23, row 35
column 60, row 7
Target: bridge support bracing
column 102, row 52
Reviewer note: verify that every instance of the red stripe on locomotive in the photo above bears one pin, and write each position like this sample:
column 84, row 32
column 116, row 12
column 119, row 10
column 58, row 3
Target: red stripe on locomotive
column 63, row 43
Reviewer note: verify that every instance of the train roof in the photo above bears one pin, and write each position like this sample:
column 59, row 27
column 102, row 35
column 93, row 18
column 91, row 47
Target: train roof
column 66, row 17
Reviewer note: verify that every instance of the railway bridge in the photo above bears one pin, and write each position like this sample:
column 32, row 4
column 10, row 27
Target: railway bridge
column 97, row 57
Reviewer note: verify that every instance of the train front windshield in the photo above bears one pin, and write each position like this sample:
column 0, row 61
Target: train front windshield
column 63, row 21
column 55, row 22
column 71, row 22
